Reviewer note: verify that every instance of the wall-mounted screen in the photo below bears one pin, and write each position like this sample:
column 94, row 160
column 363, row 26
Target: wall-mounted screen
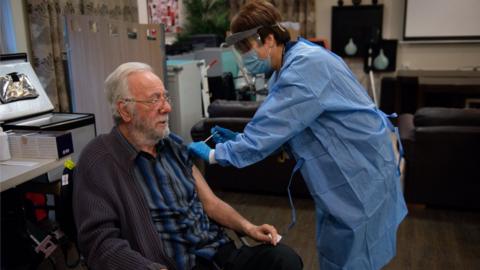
column 442, row 20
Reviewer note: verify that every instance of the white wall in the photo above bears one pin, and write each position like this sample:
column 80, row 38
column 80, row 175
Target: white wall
column 433, row 56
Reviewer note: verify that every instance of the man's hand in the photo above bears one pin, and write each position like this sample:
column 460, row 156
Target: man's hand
column 263, row 233
column 221, row 135
column 201, row 150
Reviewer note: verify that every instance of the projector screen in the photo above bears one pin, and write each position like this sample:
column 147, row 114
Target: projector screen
column 442, row 20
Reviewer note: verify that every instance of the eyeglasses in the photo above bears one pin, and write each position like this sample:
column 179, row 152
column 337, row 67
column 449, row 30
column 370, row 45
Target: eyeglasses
column 158, row 101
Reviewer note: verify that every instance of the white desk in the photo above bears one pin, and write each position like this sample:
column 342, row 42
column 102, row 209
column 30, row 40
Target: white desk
column 12, row 174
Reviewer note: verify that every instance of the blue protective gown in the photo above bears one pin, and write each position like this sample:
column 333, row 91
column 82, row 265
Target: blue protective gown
column 320, row 111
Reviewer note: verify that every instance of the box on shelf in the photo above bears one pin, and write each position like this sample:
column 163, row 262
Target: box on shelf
column 40, row 144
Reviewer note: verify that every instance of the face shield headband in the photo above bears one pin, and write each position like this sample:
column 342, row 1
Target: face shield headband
column 240, row 40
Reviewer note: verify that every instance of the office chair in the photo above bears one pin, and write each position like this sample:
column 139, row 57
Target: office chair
column 64, row 215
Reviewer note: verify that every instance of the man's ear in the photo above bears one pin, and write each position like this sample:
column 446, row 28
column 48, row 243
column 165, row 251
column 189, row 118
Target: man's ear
column 124, row 111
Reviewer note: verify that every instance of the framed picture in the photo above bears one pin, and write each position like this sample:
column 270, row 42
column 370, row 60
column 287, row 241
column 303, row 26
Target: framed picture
column 166, row 12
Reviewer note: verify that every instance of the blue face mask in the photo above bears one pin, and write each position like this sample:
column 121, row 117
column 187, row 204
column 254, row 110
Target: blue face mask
column 256, row 65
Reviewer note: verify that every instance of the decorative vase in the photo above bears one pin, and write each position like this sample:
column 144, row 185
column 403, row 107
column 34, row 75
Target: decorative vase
column 356, row 2
column 374, row 2
column 340, row 3
column 381, row 61
column 351, row 48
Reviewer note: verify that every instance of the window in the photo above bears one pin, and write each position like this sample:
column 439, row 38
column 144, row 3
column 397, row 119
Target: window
column 7, row 31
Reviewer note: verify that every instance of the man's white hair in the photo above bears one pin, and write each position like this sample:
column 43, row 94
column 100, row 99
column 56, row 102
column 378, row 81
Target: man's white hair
column 116, row 85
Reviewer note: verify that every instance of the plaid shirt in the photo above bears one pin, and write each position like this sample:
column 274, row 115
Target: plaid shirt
column 175, row 209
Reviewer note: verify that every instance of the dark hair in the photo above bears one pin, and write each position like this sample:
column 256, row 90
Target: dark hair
column 260, row 13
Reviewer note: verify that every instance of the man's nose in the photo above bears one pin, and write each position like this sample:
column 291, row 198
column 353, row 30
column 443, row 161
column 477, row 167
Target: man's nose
column 166, row 108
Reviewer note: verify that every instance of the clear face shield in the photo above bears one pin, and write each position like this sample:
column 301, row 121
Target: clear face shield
column 251, row 66
column 244, row 41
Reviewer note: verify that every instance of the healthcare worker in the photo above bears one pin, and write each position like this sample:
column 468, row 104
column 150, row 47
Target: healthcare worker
column 340, row 140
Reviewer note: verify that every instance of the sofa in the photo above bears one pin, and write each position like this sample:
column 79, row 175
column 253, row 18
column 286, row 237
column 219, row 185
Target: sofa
column 269, row 176
column 407, row 94
column 442, row 154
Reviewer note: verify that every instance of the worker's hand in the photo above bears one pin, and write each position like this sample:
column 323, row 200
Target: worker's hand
column 264, row 233
column 201, row 150
column 221, row 135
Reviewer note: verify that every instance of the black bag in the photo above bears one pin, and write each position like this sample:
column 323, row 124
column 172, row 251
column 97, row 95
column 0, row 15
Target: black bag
column 18, row 231
column 64, row 209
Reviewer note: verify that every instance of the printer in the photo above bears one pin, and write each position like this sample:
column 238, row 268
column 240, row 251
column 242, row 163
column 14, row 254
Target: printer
column 35, row 113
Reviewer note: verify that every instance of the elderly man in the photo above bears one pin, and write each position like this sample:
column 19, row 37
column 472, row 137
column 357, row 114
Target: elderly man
column 140, row 203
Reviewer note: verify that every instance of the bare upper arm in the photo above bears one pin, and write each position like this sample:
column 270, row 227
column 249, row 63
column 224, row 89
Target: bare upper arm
column 205, row 193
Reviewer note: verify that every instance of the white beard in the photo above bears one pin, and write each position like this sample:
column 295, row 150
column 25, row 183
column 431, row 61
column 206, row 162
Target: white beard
column 146, row 134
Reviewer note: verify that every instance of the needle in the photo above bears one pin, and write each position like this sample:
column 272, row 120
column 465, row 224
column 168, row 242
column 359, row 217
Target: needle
column 209, row 137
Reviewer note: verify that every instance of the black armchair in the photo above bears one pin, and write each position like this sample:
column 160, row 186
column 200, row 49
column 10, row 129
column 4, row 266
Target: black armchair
column 270, row 175
column 442, row 147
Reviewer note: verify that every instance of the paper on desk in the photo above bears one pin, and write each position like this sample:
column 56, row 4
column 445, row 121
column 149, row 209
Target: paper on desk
column 18, row 163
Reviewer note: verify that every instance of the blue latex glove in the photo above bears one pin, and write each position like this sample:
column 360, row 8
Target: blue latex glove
column 201, row 150
column 221, row 135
